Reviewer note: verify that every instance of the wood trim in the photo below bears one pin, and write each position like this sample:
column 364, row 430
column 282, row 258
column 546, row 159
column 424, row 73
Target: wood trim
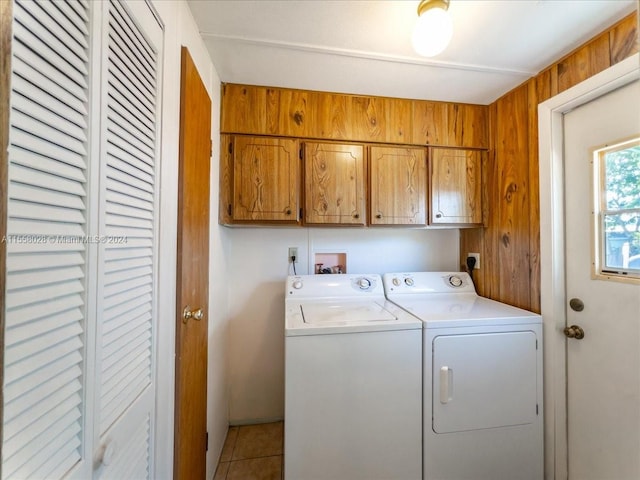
column 6, row 15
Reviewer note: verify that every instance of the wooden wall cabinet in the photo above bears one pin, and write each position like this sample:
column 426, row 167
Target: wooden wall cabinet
column 455, row 186
column 335, row 182
column 398, row 187
column 260, row 180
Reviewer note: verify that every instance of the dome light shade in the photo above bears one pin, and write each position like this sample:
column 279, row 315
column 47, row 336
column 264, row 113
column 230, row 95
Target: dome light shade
column 434, row 28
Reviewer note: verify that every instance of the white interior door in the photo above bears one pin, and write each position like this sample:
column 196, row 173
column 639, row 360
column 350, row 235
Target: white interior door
column 603, row 368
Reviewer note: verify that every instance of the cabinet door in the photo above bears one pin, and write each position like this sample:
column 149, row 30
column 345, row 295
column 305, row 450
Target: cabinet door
column 334, row 184
column 266, row 180
column 398, row 186
column 456, row 178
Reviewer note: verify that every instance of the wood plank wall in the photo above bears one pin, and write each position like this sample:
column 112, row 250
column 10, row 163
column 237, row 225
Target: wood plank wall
column 284, row 112
column 510, row 243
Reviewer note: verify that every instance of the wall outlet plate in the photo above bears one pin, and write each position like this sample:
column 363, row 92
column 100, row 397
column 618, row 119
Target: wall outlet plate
column 293, row 252
column 477, row 257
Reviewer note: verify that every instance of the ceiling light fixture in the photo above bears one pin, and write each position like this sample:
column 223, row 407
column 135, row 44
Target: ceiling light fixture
column 434, row 29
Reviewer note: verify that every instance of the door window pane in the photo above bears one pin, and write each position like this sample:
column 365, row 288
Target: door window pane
column 617, row 170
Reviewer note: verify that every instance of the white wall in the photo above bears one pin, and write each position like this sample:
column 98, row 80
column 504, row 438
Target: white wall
column 181, row 30
column 256, row 270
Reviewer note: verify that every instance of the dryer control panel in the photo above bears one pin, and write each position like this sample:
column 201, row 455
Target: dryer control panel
column 428, row 282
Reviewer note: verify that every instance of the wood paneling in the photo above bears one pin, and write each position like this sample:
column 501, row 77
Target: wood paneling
column 5, row 83
column 399, row 121
column 247, row 109
column 283, row 112
column 430, row 123
column 512, row 159
column 510, row 243
column 450, row 124
column 623, row 39
column 584, row 62
column 334, row 184
column 398, row 189
column 295, row 118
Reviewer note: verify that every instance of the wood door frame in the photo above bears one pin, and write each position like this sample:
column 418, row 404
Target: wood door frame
column 6, row 16
column 552, row 254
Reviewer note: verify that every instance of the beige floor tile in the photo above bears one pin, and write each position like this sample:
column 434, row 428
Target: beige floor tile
column 264, row 468
column 221, row 471
column 229, row 444
column 259, row 441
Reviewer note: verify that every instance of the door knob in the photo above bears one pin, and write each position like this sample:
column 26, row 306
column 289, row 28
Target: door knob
column 574, row 331
column 188, row 314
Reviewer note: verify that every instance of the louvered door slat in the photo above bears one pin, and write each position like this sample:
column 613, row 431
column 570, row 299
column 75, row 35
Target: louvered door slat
column 46, row 133
column 144, row 86
column 127, row 159
column 120, row 115
column 31, row 77
column 69, row 43
column 24, row 331
column 24, row 35
column 46, row 172
column 25, row 460
column 73, row 136
column 27, row 210
column 43, row 387
column 116, row 198
column 46, row 94
column 44, row 390
column 142, row 55
column 46, row 197
column 141, row 150
column 127, row 353
column 63, row 16
column 58, row 290
column 54, row 344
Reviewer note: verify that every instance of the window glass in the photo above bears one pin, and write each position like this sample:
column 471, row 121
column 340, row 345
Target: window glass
column 618, row 225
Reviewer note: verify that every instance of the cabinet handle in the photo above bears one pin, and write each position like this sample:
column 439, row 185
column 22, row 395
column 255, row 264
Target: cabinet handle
column 357, row 215
column 288, row 212
column 438, row 215
column 379, row 215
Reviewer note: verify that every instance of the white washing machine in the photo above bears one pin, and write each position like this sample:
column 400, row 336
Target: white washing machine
column 482, row 379
column 353, row 381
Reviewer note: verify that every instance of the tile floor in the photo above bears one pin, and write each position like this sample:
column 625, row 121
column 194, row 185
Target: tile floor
column 252, row 452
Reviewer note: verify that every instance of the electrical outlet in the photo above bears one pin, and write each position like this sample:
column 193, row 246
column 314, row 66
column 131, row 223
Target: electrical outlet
column 477, row 257
column 293, row 252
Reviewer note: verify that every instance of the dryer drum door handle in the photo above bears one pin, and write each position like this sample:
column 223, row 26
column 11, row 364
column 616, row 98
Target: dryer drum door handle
column 446, row 385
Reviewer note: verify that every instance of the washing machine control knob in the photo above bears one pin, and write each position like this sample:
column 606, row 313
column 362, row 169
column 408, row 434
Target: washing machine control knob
column 396, row 281
column 409, row 281
column 455, row 281
column 297, row 284
column 364, row 283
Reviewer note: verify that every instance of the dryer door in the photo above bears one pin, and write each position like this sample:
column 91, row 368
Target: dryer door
column 484, row 381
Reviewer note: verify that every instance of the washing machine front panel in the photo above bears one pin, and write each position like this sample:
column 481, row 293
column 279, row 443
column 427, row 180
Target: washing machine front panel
column 483, row 381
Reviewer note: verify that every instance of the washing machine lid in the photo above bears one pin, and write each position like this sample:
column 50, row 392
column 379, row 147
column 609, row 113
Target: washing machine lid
column 462, row 309
column 346, row 316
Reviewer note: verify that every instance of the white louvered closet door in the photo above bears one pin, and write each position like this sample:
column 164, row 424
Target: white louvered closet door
column 128, row 225
column 79, row 365
column 46, row 314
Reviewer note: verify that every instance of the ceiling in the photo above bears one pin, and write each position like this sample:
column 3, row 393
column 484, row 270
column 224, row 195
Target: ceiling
column 364, row 46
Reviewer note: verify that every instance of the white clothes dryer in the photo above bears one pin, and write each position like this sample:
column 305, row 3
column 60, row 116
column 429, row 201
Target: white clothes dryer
column 482, row 379
column 353, row 381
